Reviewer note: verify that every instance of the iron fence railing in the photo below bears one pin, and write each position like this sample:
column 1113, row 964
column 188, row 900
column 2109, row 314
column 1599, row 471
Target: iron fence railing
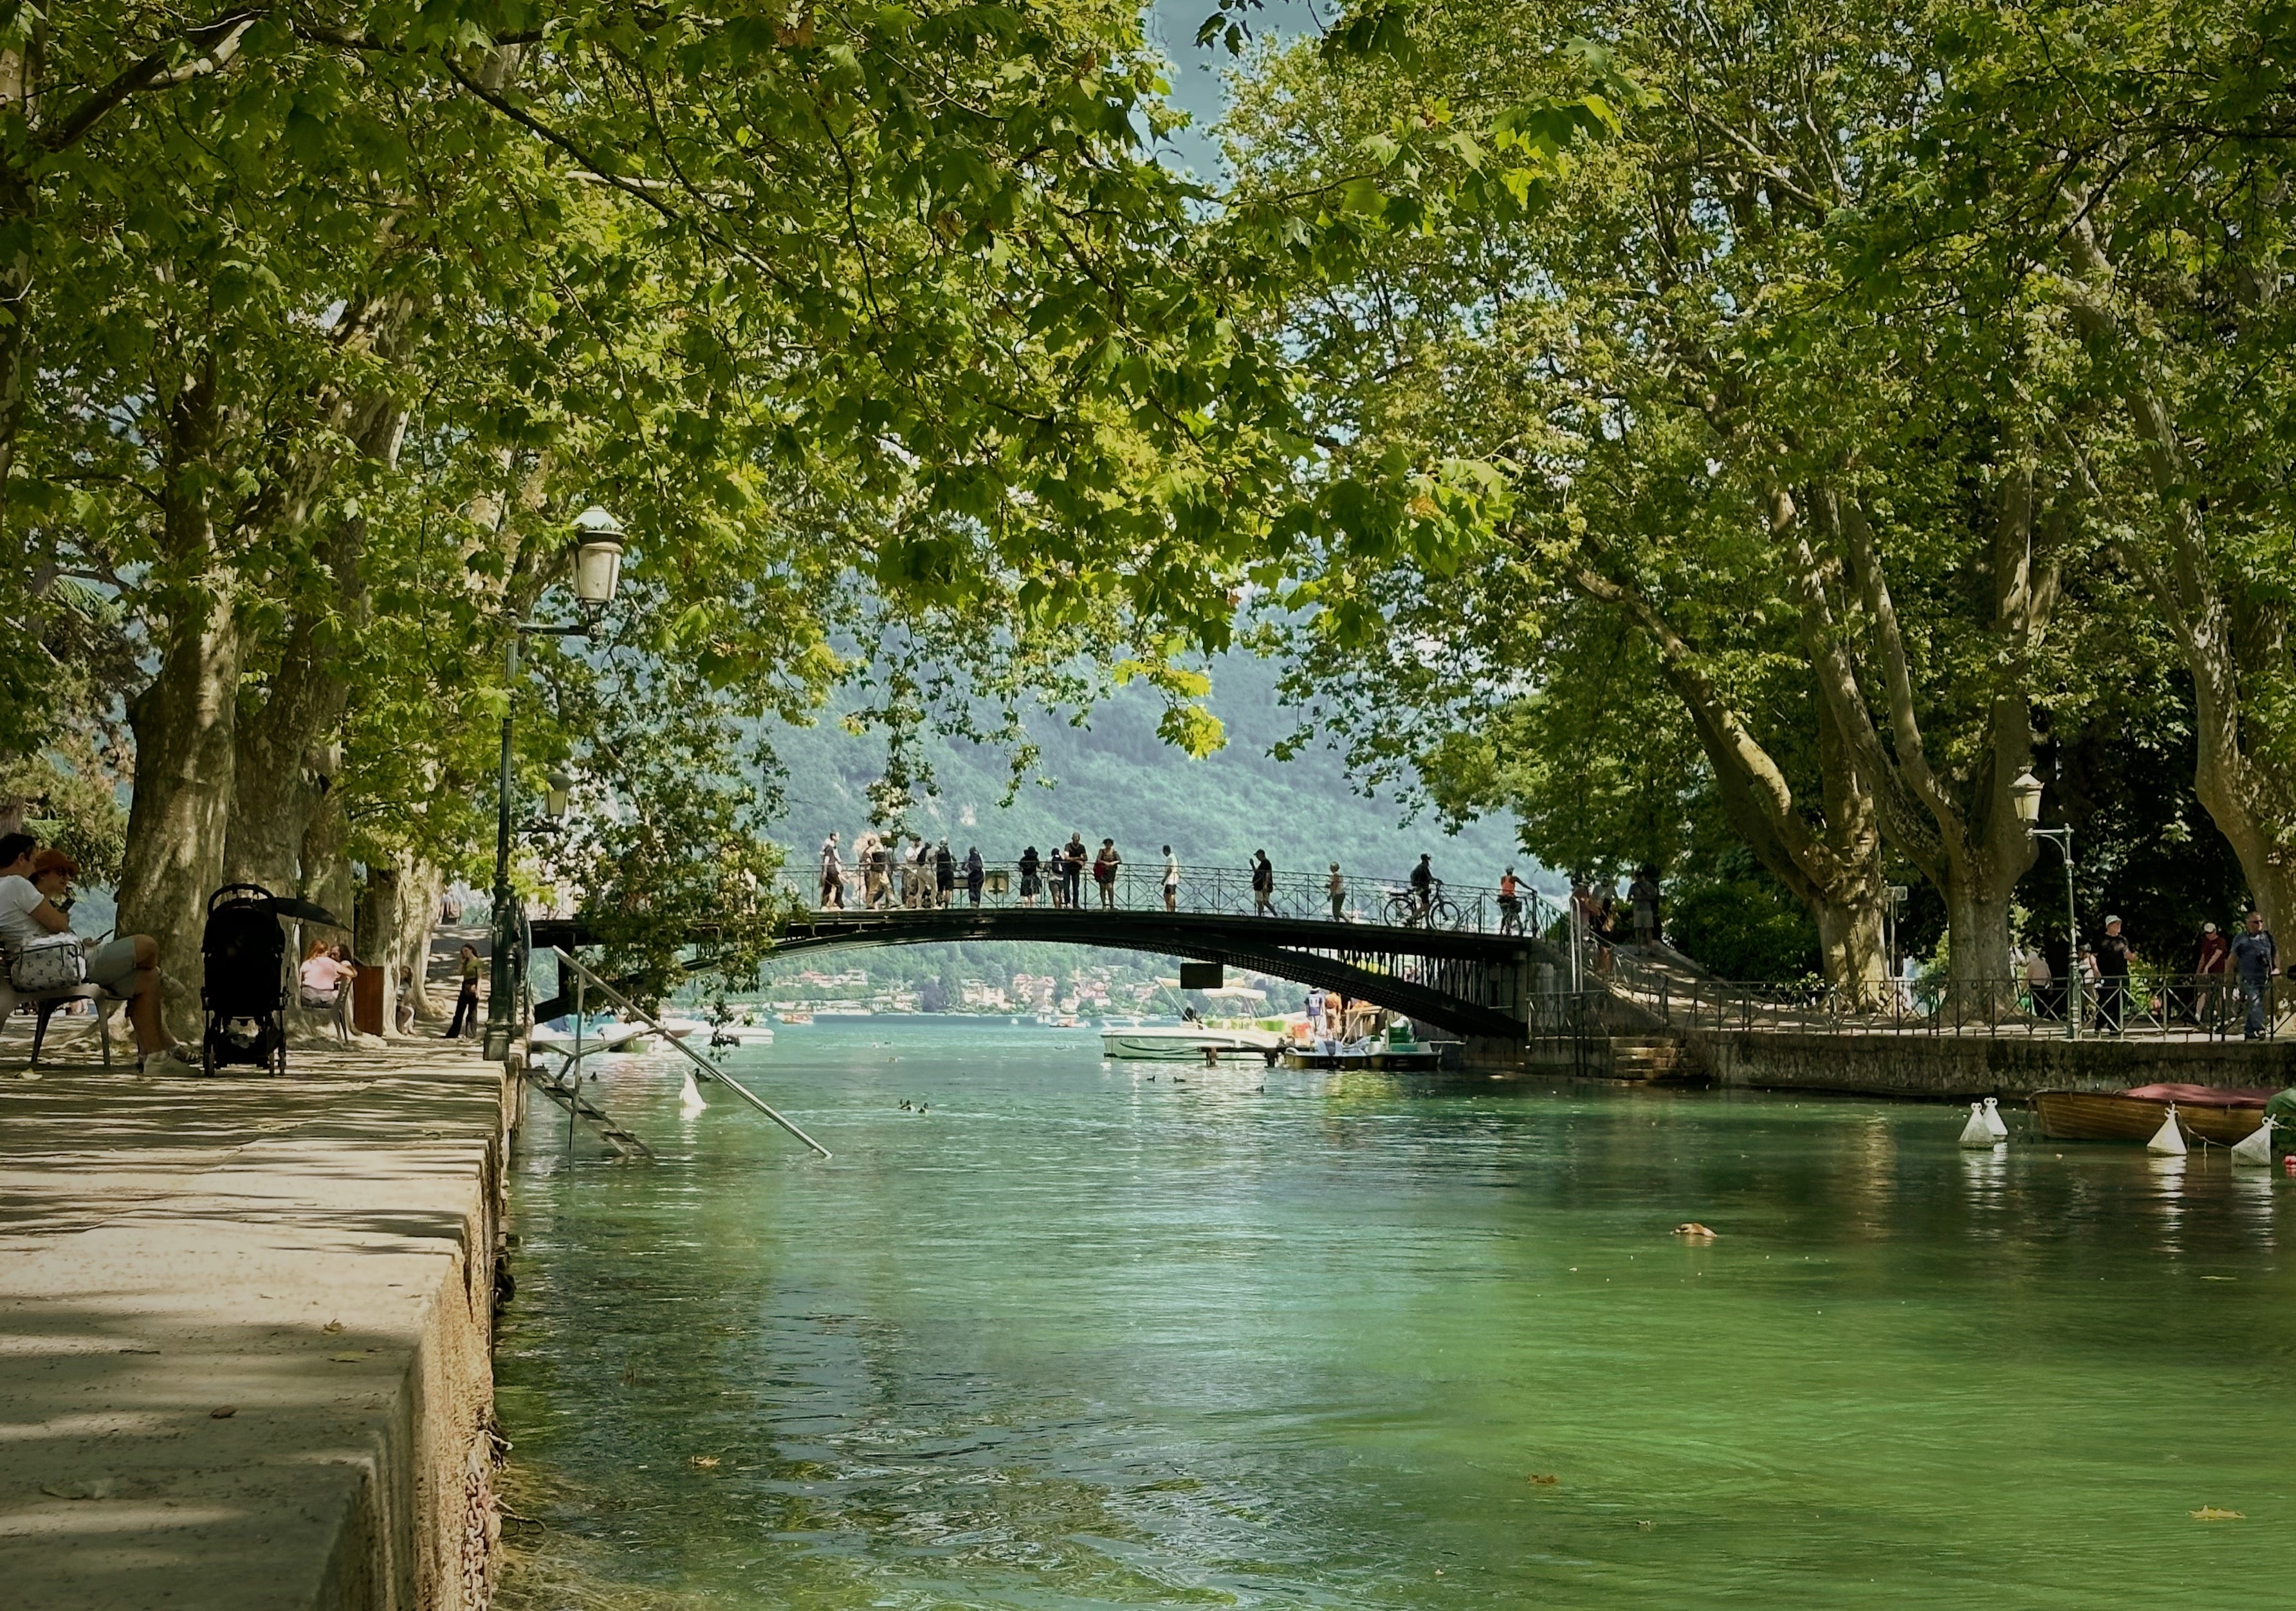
column 1142, row 887
column 2154, row 1005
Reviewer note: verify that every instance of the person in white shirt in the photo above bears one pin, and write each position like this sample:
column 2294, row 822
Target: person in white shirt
column 1171, row 881
column 31, row 888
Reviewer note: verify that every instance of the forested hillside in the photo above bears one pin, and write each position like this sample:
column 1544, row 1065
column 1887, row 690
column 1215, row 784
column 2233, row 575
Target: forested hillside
column 1115, row 777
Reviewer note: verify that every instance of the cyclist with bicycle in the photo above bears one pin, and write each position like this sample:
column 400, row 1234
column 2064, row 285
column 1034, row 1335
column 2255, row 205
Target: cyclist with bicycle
column 1422, row 888
column 1510, row 904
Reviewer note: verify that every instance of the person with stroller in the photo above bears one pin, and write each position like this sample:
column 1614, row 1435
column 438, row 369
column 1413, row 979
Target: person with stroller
column 34, row 891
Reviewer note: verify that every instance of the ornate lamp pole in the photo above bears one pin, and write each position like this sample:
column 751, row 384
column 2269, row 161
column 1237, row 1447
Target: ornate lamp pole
column 597, row 572
column 2025, row 794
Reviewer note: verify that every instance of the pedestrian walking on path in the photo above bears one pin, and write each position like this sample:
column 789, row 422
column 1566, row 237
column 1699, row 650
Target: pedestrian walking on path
column 944, row 874
column 2114, row 956
column 2210, row 967
column 1171, row 881
column 1263, row 886
column 2256, row 959
column 976, row 875
column 1031, row 869
column 466, row 1000
column 1643, row 895
column 1337, row 888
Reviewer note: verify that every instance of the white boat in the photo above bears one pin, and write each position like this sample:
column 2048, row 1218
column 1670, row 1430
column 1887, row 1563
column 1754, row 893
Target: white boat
column 1187, row 1043
column 797, row 1015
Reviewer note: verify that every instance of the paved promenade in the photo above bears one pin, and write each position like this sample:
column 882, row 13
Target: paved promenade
column 244, row 1330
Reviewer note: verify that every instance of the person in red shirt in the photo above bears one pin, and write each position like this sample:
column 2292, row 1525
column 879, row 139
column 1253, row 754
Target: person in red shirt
column 2214, row 964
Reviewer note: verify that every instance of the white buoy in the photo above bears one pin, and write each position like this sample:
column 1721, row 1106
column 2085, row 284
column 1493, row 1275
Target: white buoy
column 1976, row 1134
column 2168, row 1140
column 2256, row 1147
column 689, row 1095
column 1993, row 1119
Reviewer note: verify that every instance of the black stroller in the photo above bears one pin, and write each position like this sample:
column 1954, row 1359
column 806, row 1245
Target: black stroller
column 245, row 995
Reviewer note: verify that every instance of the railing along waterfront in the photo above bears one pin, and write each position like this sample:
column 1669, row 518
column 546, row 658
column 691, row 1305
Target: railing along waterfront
column 1200, row 891
column 2148, row 1006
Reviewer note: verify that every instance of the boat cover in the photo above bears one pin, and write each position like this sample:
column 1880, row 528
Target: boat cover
column 2204, row 1095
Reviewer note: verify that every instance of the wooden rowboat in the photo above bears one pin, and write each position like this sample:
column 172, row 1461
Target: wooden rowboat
column 2212, row 1113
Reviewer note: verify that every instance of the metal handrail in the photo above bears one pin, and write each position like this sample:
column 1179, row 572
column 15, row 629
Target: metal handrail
column 2143, row 1004
column 709, row 1070
column 1139, row 886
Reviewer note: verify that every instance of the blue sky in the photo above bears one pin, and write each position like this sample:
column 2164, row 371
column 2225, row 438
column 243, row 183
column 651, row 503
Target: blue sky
column 1196, row 81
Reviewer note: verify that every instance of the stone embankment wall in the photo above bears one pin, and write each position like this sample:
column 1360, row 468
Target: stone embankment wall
column 1930, row 1066
column 246, row 1335
column 1969, row 1066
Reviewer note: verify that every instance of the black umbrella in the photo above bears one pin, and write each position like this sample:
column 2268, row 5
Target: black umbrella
column 308, row 911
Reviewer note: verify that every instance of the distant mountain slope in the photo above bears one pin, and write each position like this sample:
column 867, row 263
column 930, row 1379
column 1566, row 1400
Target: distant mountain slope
column 1116, row 777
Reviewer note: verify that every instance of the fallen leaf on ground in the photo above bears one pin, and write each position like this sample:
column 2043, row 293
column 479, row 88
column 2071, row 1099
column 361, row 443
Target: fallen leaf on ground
column 1541, row 1480
column 223, row 1412
column 2211, row 1513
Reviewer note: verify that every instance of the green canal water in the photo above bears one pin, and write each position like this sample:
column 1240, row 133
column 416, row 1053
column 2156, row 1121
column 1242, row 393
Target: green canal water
column 1077, row 1337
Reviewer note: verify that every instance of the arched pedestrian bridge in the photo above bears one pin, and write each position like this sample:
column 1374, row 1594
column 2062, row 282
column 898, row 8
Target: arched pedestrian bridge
column 1465, row 965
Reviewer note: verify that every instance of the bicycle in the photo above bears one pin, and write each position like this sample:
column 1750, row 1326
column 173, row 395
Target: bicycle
column 1407, row 909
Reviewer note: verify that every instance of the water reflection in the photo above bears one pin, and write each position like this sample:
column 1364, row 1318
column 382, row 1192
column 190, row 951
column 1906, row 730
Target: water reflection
column 1074, row 1338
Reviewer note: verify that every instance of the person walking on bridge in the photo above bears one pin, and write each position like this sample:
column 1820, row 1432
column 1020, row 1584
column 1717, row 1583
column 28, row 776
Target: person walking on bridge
column 878, row 873
column 944, row 874
column 1337, row 888
column 1263, row 886
column 1031, row 869
column 1103, row 874
column 1171, row 881
column 1072, row 869
column 833, row 876
column 975, row 875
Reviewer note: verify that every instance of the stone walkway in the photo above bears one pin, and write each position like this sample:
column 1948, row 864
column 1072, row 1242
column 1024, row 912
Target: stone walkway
column 244, row 1330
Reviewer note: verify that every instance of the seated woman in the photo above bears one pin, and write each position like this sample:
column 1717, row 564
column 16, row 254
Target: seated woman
column 34, row 889
column 322, row 976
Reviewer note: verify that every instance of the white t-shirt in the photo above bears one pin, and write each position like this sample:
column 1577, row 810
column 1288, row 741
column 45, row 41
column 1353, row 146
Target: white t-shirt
column 1171, row 868
column 18, row 927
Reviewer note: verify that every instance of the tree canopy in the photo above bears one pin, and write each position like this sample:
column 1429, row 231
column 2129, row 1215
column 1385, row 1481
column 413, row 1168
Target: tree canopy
column 1897, row 391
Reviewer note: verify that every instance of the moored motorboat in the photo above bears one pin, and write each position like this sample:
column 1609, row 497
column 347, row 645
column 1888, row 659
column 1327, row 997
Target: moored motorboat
column 1328, row 1054
column 1188, row 1043
column 2222, row 1114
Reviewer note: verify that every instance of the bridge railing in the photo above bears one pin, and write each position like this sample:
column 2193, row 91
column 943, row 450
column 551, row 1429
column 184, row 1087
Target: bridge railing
column 2148, row 1006
column 1214, row 891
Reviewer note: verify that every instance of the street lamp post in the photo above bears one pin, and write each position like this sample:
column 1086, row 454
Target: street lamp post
column 597, row 572
column 2025, row 794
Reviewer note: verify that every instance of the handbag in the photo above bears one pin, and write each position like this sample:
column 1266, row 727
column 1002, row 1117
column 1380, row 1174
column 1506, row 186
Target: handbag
column 45, row 966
